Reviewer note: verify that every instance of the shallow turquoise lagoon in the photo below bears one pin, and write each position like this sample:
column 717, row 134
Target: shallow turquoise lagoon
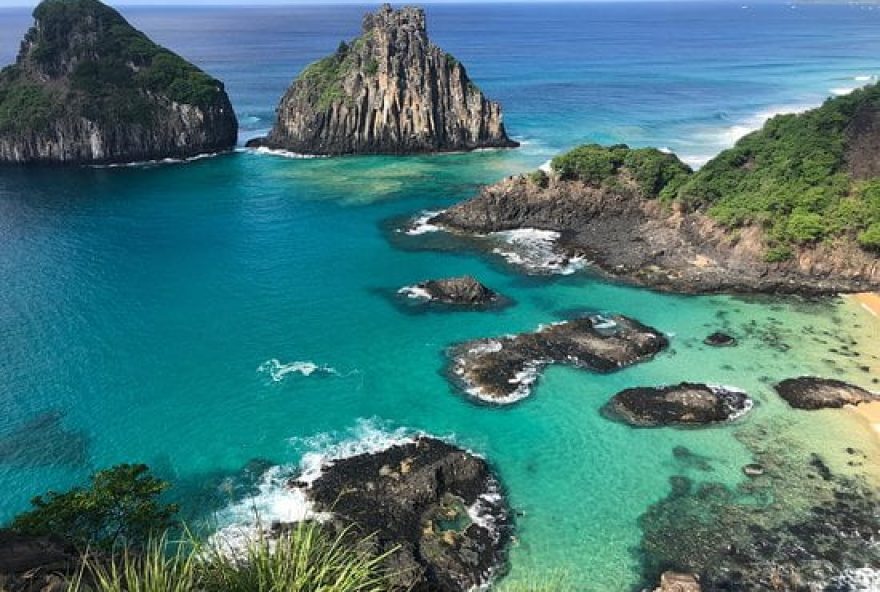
column 143, row 310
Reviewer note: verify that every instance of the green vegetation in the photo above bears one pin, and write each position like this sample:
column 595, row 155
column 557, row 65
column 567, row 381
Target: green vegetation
column 654, row 172
column 120, row 506
column 790, row 178
column 305, row 559
column 117, row 68
column 24, row 105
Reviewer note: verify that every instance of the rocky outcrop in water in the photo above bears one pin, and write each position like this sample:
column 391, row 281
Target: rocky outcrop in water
column 441, row 505
column 502, row 370
column 659, row 245
column 463, row 292
column 87, row 88
column 822, row 393
column 390, row 91
column 685, row 404
column 719, row 339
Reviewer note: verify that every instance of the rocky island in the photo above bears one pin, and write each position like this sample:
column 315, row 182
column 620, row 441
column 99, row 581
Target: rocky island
column 502, row 371
column 813, row 393
column 685, row 404
column 438, row 505
column 88, row 88
column 458, row 292
column 389, row 91
column 793, row 207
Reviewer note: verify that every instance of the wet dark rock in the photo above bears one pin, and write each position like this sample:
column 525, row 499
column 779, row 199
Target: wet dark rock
column 685, row 404
column 35, row 564
column 786, row 533
column 421, row 496
column 822, row 393
column 390, row 91
column 463, row 291
column 719, row 339
column 502, row 370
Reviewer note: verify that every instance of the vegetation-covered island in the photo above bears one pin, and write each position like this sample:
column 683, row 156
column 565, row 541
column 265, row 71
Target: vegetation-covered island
column 389, row 91
column 792, row 207
column 89, row 88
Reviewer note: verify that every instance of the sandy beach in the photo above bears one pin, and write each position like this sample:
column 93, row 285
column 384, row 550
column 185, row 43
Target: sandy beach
column 870, row 301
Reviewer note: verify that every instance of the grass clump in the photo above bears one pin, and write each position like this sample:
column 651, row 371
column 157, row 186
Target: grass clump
column 304, row 559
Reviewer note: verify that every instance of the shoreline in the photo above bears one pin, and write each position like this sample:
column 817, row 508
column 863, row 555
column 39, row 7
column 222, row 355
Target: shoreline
column 869, row 413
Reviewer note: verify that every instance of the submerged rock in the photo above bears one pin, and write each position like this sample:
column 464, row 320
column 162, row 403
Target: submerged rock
column 822, row 393
column 390, row 91
column 88, row 88
column 462, row 291
column 502, row 370
column 672, row 581
column 719, row 339
column 683, row 404
column 441, row 505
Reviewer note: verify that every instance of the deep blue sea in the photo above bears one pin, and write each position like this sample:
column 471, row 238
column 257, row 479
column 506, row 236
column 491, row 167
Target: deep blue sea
column 168, row 314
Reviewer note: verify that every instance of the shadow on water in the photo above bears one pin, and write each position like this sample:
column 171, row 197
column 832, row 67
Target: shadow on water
column 44, row 441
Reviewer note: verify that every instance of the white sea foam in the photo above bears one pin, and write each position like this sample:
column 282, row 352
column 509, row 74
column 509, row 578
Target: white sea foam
column 842, row 91
column 284, row 153
column 546, row 167
column 747, row 405
column 862, row 579
column 278, row 371
column 157, row 162
column 415, row 292
column 535, row 250
column 725, row 137
column 279, row 501
column 865, row 77
column 421, row 225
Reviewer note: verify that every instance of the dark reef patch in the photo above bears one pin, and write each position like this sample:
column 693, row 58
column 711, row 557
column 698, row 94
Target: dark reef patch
column 44, row 441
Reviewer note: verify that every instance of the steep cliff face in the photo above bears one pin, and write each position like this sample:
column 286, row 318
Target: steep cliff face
column 89, row 88
column 390, row 91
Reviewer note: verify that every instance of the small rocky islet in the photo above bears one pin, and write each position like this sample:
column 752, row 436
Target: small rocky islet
column 811, row 393
column 685, row 404
column 464, row 292
column 389, row 91
column 440, row 506
column 88, row 88
column 502, row 370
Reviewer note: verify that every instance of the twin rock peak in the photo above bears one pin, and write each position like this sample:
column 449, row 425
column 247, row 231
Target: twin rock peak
column 88, row 88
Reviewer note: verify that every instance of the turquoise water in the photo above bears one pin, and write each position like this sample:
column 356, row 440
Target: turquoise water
column 139, row 304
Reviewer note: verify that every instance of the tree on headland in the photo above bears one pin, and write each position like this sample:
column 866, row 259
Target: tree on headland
column 120, row 507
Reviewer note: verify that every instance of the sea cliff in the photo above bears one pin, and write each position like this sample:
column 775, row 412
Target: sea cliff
column 88, row 88
column 390, row 91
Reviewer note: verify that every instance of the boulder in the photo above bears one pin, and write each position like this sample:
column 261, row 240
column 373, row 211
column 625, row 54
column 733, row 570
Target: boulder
column 812, row 393
column 685, row 404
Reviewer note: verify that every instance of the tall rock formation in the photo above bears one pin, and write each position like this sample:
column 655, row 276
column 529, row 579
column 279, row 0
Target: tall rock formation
column 390, row 91
column 88, row 88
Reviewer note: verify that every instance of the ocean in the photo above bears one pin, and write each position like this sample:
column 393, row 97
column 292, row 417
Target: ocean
column 219, row 317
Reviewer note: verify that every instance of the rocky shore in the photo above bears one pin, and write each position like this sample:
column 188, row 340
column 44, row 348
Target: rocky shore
column 440, row 506
column 389, row 91
column 458, row 292
column 685, row 404
column 822, row 393
column 502, row 370
column 629, row 236
column 88, row 88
